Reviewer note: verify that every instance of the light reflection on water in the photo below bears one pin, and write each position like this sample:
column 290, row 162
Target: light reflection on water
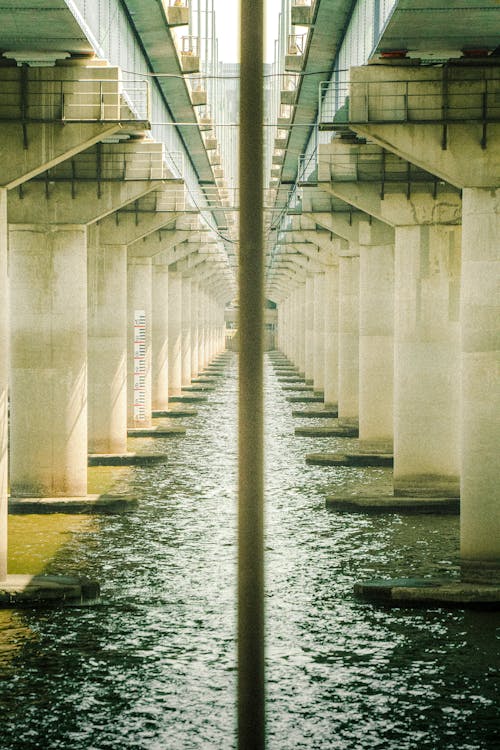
column 153, row 667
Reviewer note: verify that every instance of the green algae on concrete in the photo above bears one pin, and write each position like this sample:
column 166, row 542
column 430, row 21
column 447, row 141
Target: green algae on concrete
column 35, row 540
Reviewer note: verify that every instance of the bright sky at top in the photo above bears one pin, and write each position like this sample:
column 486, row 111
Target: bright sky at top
column 227, row 20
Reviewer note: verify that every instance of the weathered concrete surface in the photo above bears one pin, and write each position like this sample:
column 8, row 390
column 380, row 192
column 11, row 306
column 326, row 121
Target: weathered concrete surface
column 89, row 504
column 292, row 379
column 44, row 591
column 305, row 399
column 126, row 459
column 349, row 459
column 156, row 431
column 202, row 380
column 194, row 399
column 337, row 430
column 394, row 504
column 176, row 413
column 308, row 388
column 425, row 592
column 198, row 388
column 315, row 413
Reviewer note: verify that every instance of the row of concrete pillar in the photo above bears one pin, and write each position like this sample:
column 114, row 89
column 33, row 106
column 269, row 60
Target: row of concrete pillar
column 97, row 340
column 397, row 329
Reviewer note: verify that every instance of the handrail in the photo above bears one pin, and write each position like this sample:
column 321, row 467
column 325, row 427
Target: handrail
column 74, row 100
column 296, row 44
column 417, row 100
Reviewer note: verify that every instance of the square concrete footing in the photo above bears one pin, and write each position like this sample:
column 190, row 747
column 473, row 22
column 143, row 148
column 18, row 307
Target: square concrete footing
column 126, row 459
column 47, row 591
column 156, row 431
column 175, row 413
column 72, row 505
column 313, row 412
column 195, row 388
column 305, row 399
column 350, row 459
column 188, row 399
column 336, row 430
column 425, row 592
column 393, row 504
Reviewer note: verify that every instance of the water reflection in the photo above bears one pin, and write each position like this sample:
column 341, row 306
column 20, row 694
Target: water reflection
column 154, row 666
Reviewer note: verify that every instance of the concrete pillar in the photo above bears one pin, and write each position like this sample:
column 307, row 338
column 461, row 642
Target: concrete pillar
column 139, row 313
column 186, row 331
column 291, row 326
column 348, row 401
column 4, row 383
column 48, row 266
column 201, row 328
column 211, row 327
column 319, row 332
column 194, row 329
column 160, row 338
column 331, row 336
column 301, row 329
column 426, row 364
column 107, row 345
column 174, row 333
column 480, row 481
column 376, row 338
column 286, row 327
column 309, row 329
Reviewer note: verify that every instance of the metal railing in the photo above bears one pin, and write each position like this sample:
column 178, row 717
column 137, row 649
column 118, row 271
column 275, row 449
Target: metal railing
column 26, row 99
column 190, row 46
column 175, row 163
column 106, row 162
column 371, row 164
column 289, row 81
column 441, row 100
column 296, row 44
column 307, row 165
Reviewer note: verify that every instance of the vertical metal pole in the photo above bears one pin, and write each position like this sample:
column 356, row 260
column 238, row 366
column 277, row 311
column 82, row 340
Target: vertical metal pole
column 251, row 716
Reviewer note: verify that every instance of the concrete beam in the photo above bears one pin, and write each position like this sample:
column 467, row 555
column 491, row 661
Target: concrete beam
column 95, row 201
column 407, row 110
column 73, row 108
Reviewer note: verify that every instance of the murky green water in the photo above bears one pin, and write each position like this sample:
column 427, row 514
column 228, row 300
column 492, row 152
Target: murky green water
column 153, row 667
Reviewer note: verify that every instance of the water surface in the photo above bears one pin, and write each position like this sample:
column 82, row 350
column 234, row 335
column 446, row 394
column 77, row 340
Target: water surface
column 153, row 666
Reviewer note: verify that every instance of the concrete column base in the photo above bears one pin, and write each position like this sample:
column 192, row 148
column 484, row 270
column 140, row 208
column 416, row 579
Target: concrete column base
column 480, row 571
column 42, row 591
